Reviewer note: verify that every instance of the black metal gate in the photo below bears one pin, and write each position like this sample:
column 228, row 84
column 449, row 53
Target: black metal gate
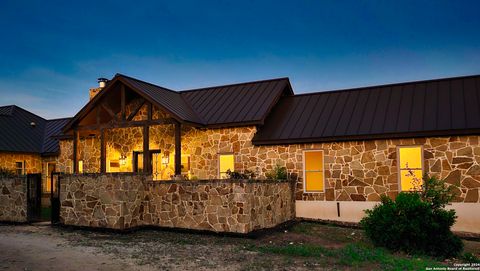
column 34, row 197
column 55, row 197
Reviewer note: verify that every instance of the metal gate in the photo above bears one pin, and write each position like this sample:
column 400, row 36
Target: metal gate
column 34, row 197
column 55, row 197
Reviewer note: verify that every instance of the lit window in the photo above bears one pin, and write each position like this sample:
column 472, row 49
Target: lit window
column 80, row 166
column 50, row 167
column 313, row 171
column 226, row 162
column 20, row 168
column 411, row 167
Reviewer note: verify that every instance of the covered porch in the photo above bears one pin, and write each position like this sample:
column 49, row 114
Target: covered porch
column 124, row 129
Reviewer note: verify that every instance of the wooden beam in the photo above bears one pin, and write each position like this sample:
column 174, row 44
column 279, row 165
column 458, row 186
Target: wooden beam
column 127, row 124
column 98, row 115
column 75, row 151
column 103, row 152
column 135, row 110
column 109, row 111
column 150, row 111
column 122, row 92
column 146, row 151
column 178, row 149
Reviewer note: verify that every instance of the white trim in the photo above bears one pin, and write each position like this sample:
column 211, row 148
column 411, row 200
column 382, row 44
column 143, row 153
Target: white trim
column 303, row 170
column 399, row 171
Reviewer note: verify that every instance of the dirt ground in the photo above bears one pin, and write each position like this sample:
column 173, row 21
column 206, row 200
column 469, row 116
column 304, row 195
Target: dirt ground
column 41, row 247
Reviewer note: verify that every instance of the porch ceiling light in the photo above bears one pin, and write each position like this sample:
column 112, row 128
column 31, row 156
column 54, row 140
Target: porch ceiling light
column 123, row 159
column 166, row 159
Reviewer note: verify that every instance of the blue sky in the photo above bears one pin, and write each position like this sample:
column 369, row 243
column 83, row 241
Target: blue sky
column 51, row 52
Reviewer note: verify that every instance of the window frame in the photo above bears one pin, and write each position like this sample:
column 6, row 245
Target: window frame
column 23, row 168
column 218, row 163
column 399, row 169
column 304, row 171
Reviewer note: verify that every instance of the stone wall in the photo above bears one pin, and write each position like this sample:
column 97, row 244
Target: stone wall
column 33, row 162
column 354, row 170
column 122, row 201
column 13, row 199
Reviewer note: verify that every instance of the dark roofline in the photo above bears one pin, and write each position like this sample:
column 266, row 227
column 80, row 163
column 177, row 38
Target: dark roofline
column 236, row 84
column 454, row 132
column 29, row 112
column 387, row 85
column 59, row 119
column 145, row 82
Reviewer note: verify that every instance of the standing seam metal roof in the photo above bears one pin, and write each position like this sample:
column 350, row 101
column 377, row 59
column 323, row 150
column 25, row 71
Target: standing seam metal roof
column 433, row 107
column 18, row 135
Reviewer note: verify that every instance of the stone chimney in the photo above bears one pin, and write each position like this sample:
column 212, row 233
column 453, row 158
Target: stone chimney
column 101, row 84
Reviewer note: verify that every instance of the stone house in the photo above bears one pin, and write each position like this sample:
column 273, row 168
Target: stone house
column 28, row 144
column 343, row 148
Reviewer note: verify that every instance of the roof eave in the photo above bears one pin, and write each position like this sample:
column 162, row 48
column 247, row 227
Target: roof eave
column 458, row 132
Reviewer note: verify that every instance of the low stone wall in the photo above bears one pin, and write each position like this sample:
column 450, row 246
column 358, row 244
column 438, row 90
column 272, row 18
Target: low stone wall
column 13, row 199
column 123, row 201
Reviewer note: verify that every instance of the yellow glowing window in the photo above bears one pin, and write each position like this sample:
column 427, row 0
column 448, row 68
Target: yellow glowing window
column 226, row 162
column 80, row 166
column 313, row 171
column 411, row 167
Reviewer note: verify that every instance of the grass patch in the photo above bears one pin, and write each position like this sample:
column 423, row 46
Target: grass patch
column 353, row 255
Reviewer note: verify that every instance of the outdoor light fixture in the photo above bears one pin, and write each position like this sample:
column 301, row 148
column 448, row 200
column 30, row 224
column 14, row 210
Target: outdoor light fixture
column 123, row 159
column 166, row 159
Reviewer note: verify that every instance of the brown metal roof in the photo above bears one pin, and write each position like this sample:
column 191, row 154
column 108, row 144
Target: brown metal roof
column 170, row 100
column 236, row 104
column 220, row 106
column 53, row 129
column 424, row 108
column 18, row 135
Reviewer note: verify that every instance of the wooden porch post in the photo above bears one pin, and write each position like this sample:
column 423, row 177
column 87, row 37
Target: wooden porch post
column 122, row 95
column 103, row 162
column 178, row 149
column 75, row 151
column 146, row 151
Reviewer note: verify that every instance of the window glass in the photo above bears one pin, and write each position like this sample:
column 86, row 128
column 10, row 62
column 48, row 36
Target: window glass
column 50, row 167
column 411, row 170
column 80, row 166
column 313, row 171
column 19, row 168
column 226, row 162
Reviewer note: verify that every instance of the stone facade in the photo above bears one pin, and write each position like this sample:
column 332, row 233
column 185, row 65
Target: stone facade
column 354, row 170
column 13, row 199
column 122, row 201
column 33, row 162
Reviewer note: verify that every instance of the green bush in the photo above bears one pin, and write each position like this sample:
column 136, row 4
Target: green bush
column 5, row 172
column 277, row 173
column 415, row 222
column 236, row 175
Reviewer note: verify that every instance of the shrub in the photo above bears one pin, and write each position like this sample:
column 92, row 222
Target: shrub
column 5, row 172
column 277, row 173
column 415, row 222
column 247, row 174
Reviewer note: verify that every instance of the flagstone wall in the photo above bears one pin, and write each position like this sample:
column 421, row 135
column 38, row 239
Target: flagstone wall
column 13, row 199
column 123, row 201
column 354, row 170
column 33, row 162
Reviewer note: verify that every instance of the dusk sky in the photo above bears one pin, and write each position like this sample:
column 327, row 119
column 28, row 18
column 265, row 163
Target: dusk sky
column 52, row 52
